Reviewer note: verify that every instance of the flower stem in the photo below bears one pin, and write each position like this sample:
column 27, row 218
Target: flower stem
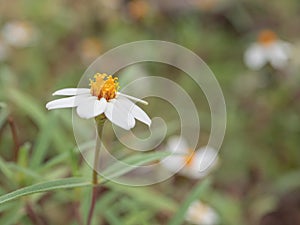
column 99, row 121
column 92, row 207
column 96, row 161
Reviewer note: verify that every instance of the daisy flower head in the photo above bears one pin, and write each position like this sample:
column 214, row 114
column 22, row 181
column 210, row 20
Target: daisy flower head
column 102, row 98
column 188, row 162
column 267, row 49
column 201, row 214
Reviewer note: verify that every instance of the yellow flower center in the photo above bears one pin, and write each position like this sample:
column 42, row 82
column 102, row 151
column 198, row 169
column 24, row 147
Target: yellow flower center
column 188, row 159
column 267, row 37
column 104, row 86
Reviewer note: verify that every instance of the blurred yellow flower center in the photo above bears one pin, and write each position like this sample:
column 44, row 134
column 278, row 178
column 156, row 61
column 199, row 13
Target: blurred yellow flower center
column 267, row 37
column 189, row 158
column 104, row 86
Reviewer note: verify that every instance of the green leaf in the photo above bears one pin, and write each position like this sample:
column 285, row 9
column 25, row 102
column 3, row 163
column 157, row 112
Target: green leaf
column 28, row 105
column 228, row 208
column 11, row 216
column 194, row 195
column 60, row 158
column 4, row 112
column 111, row 218
column 24, row 154
column 45, row 186
column 43, row 141
column 107, row 199
column 4, row 168
column 130, row 163
column 287, row 182
column 148, row 196
column 24, row 171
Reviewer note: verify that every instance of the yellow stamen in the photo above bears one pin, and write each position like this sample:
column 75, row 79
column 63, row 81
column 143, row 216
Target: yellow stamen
column 104, row 86
column 189, row 158
column 267, row 37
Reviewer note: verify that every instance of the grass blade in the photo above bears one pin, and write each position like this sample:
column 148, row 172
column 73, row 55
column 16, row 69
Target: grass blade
column 45, row 186
column 132, row 162
column 42, row 144
column 195, row 194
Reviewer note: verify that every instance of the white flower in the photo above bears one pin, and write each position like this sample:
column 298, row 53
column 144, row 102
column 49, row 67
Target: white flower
column 201, row 214
column 18, row 33
column 193, row 164
column 102, row 98
column 267, row 49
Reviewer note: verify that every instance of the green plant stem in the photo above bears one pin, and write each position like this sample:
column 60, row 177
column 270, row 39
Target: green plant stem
column 13, row 128
column 92, row 207
column 100, row 121
column 96, row 161
column 95, row 182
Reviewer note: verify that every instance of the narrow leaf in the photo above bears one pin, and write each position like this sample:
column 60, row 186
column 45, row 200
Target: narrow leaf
column 42, row 144
column 23, row 101
column 45, row 186
column 132, row 162
column 147, row 196
column 194, row 195
column 3, row 113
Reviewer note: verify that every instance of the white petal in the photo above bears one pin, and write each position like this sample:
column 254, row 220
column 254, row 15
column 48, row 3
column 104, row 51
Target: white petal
column 132, row 98
column 176, row 161
column 91, row 108
column 199, row 213
column 66, row 102
column 136, row 111
column 278, row 55
column 255, row 57
column 178, row 145
column 72, row 91
column 204, row 161
column 119, row 116
column 173, row 163
column 140, row 115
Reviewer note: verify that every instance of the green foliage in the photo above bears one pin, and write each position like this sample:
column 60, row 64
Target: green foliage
column 195, row 194
column 45, row 186
column 259, row 159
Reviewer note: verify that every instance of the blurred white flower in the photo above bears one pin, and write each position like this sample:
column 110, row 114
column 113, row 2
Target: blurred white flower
column 3, row 51
column 193, row 164
column 18, row 33
column 267, row 49
column 101, row 98
column 200, row 214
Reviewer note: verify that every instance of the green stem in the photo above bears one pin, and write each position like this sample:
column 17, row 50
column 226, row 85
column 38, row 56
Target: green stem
column 13, row 128
column 96, row 160
column 99, row 121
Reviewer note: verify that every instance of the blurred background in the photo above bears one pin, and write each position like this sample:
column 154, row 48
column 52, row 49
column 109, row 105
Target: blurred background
column 47, row 45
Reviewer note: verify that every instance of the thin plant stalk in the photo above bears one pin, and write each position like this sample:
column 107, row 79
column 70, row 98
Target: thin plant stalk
column 13, row 128
column 100, row 121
